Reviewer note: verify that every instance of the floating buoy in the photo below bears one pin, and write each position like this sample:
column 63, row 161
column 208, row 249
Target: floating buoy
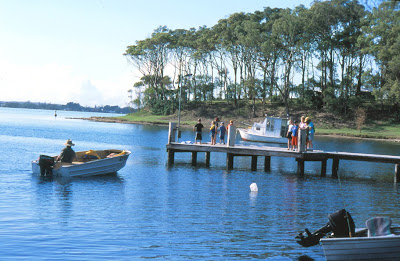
column 253, row 187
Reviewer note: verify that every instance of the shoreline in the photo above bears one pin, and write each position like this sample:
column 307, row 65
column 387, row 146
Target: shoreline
column 114, row 120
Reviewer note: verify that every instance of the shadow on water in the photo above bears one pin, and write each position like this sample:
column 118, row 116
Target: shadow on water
column 305, row 258
column 63, row 180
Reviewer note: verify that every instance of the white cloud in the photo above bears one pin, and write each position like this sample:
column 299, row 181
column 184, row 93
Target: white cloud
column 59, row 84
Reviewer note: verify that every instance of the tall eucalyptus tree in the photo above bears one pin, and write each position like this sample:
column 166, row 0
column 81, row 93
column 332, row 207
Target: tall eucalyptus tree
column 204, row 46
column 288, row 29
column 150, row 56
column 385, row 46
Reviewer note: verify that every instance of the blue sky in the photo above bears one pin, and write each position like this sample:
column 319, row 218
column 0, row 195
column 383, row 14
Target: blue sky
column 61, row 51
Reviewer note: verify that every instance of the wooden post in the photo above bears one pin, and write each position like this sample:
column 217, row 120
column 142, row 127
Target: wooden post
column 335, row 168
column 208, row 156
column 171, row 132
column 194, row 158
column 229, row 160
column 302, row 140
column 253, row 163
column 231, row 136
column 267, row 163
column 171, row 157
column 397, row 173
column 323, row 168
column 300, row 167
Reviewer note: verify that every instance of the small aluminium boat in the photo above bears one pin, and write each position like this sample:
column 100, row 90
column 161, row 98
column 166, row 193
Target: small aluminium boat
column 341, row 241
column 88, row 163
column 271, row 130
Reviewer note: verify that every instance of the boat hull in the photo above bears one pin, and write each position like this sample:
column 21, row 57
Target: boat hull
column 247, row 136
column 89, row 168
column 362, row 248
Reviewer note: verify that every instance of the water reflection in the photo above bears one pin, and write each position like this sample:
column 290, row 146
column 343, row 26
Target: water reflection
column 59, row 193
column 253, row 198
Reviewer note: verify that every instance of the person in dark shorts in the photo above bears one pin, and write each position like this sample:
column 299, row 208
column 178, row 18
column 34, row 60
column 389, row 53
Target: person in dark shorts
column 198, row 129
column 67, row 154
column 221, row 131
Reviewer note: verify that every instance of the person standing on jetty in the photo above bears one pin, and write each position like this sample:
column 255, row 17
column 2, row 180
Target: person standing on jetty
column 198, row 129
column 222, row 131
column 303, row 123
column 230, row 124
column 67, row 154
column 295, row 130
column 311, row 131
column 289, row 135
column 216, row 129
column 213, row 132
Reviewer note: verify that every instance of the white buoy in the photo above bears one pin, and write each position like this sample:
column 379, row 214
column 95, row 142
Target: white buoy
column 253, row 187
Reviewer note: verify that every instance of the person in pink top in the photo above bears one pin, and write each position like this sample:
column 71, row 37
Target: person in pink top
column 302, row 124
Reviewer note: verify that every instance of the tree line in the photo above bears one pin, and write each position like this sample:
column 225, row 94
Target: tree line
column 335, row 55
column 70, row 106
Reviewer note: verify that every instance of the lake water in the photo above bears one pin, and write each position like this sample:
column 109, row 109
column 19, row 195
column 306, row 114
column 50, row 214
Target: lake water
column 151, row 211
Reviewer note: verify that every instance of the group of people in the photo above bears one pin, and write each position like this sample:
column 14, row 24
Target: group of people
column 294, row 129
column 217, row 128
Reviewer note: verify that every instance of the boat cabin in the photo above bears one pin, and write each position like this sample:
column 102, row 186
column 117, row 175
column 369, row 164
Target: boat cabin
column 271, row 126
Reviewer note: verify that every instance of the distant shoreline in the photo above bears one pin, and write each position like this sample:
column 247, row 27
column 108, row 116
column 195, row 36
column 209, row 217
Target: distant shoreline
column 159, row 123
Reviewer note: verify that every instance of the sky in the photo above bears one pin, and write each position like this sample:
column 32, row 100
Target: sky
column 72, row 51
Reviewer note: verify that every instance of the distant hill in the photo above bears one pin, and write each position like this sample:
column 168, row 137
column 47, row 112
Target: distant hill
column 67, row 107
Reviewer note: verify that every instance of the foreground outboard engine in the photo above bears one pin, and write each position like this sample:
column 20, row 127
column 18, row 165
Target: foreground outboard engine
column 46, row 164
column 340, row 223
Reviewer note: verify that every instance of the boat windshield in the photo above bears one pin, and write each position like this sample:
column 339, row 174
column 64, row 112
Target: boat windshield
column 269, row 126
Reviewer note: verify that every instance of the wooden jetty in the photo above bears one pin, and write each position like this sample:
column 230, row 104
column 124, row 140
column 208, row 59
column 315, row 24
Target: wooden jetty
column 301, row 155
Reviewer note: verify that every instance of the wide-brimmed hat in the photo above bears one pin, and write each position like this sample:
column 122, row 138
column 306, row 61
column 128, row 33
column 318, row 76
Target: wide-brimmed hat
column 69, row 143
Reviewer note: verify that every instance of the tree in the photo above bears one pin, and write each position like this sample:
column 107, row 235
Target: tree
column 150, row 56
column 360, row 116
column 385, row 46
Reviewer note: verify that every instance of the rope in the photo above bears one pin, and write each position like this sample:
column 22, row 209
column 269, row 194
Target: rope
column 344, row 205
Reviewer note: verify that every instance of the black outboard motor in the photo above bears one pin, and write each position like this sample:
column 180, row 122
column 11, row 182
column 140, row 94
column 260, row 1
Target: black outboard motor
column 46, row 164
column 340, row 223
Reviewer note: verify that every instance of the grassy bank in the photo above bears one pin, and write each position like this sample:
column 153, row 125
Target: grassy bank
column 325, row 123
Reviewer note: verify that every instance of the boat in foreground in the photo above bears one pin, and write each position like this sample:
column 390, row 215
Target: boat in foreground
column 341, row 241
column 88, row 163
column 362, row 247
column 271, row 130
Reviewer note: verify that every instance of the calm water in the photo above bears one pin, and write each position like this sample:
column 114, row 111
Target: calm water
column 150, row 211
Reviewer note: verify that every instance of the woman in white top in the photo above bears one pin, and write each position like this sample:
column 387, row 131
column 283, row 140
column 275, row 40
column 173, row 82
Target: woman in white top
column 303, row 123
column 289, row 134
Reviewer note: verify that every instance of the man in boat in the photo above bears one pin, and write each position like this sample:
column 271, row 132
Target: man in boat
column 67, row 154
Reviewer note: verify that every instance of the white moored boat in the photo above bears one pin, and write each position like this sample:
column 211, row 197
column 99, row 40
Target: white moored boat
column 272, row 130
column 88, row 163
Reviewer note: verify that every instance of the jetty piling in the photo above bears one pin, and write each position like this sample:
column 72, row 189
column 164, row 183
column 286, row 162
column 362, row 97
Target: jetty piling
column 233, row 150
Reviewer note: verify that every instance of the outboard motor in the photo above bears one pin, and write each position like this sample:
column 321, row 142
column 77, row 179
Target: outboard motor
column 46, row 164
column 340, row 224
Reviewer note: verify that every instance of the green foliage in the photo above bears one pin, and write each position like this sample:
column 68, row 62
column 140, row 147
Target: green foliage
column 336, row 47
column 163, row 107
column 311, row 99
